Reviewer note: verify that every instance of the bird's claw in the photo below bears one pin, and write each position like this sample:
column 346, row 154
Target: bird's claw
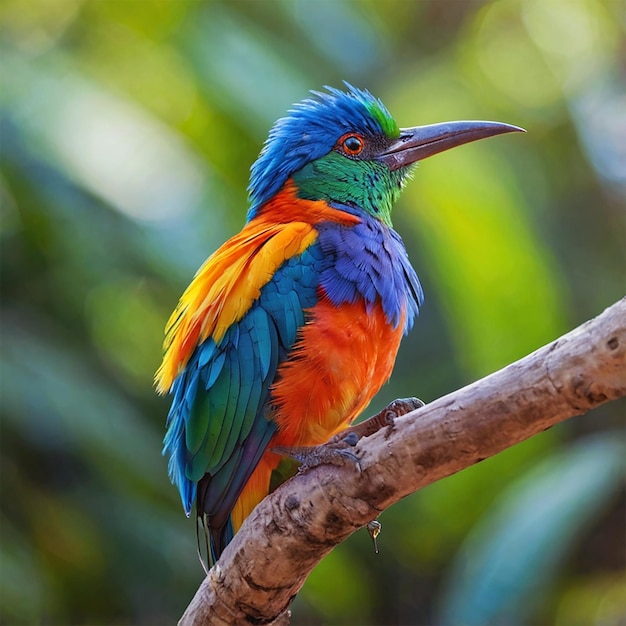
column 398, row 408
column 335, row 452
column 384, row 418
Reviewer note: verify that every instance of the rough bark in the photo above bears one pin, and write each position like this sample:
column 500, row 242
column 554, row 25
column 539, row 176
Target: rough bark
column 294, row 528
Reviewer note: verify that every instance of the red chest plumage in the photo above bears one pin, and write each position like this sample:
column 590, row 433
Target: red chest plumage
column 342, row 359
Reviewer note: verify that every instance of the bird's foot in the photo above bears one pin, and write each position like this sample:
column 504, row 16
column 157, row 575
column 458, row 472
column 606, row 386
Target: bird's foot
column 335, row 452
column 383, row 419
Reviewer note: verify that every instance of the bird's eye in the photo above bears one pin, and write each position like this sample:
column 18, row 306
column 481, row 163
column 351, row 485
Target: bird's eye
column 352, row 144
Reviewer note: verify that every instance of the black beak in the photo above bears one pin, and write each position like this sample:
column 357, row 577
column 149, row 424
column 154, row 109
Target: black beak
column 415, row 144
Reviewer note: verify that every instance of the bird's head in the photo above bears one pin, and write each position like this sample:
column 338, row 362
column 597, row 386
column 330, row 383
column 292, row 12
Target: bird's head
column 346, row 148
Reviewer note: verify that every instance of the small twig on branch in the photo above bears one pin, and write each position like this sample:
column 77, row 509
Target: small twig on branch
column 269, row 559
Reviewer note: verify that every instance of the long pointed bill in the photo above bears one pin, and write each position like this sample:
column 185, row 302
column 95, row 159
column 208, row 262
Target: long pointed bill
column 415, row 144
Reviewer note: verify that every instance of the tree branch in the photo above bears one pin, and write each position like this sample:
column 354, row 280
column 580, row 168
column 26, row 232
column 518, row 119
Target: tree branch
column 268, row 561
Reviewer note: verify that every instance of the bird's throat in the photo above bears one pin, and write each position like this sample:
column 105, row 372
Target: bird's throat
column 365, row 185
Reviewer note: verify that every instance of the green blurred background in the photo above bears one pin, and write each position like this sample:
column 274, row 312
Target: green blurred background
column 127, row 131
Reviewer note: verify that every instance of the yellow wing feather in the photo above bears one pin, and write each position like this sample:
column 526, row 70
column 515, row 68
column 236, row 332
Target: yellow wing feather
column 224, row 288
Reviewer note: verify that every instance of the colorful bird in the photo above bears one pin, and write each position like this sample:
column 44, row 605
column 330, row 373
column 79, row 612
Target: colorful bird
column 288, row 330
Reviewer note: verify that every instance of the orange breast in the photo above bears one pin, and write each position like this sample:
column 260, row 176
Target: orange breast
column 342, row 359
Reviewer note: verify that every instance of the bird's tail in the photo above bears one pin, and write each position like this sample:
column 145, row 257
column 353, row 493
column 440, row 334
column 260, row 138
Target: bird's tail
column 213, row 533
column 210, row 542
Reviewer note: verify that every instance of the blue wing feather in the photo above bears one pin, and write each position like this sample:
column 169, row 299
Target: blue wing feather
column 216, row 365
column 206, row 352
column 217, row 428
column 226, row 442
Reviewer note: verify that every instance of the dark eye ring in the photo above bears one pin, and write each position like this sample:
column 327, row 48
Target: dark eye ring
column 352, row 144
